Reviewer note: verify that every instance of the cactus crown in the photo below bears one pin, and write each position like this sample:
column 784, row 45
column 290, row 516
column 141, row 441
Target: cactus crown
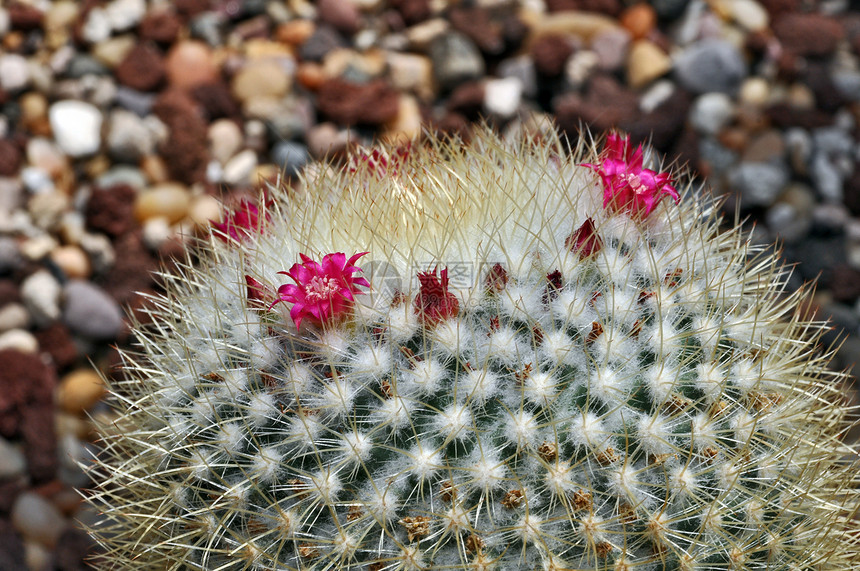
column 532, row 380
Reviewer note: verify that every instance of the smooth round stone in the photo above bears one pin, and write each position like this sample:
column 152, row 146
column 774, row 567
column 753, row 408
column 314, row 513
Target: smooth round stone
column 37, row 519
column 14, row 316
column 97, row 26
column 754, row 91
column 14, row 72
column 639, row 19
column 406, row 124
column 89, row 311
column 170, row 200
column 759, row 183
column 611, row 47
column 190, row 63
column 711, row 112
column 36, row 555
column 645, row 63
column 204, row 209
column 128, row 138
column 125, row 14
column 20, row 340
column 749, row 14
column 585, row 25
column 411, row 72
column 76, row 126
column 291, row 156
column 34, row 108
column 225, row 139
column 238, row 169
column 260, row 79
column 80, row 390
column 521, row 68
column 73, row 261
column 156, row 231
column 121, row 174
column 44, row 154
column 112, row 51
column 656, row 94
column 61, row 14
column 40, row 293
column 502, row 97
column 12, row 462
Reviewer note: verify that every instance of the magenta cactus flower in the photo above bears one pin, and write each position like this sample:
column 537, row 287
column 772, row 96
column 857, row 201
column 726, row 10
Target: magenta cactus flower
column 324, row 291
column 241, row 223
column 626, row 185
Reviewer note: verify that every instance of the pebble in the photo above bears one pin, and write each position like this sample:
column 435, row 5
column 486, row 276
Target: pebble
column 238, row 169
column 754, row 91
column 125, row 14
column 112, row 51
column 291, row 156
column 170, row 200
column 80, row 390
column 645, row 63
column 826, row 177
column 263, row 78
column 19, row 340
column 711, row 65
column 204, row 209
column 611, row 47
column 76, row 126
column 72, row 260
column 225, row 139
column 412, row 72
column 14, row 316
column 38, row 246
column 748, row 14
column 97, row 26
column 156, row 231
column 407, row 123
column 759, row 183
column 37, row 519
column 14, row 72
column 190, row 63
column 521, row 68
column 502, row 97
column 47, row 208
column 10, row 255
column 12, row 462
column 455, row 60
column 639, row 19
column 89, row 311
column 128, row 138
column 711, row 112
column 40, row 293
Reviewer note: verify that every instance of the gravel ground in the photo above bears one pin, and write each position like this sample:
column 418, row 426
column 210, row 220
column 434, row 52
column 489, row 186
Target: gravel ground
column 126, row 125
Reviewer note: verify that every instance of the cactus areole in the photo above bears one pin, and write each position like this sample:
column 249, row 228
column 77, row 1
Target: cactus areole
column 499, row 355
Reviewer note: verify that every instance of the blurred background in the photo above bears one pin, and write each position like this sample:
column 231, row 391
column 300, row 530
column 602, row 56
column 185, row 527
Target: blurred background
column 127, row 125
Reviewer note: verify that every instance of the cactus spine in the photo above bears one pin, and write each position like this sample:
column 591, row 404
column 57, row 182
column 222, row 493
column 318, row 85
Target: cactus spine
column 536, row 378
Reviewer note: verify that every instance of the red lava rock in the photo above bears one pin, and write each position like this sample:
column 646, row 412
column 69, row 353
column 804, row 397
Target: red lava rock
column 40, row 442
column 9, row 292
column 467, row 99
column 476, row 23
column 190, row 8
column 609, row 7
column 26, row 381
column 817, row 77
column 132, row 271
column 216, row 100
column 453, row 124
column 174, row 102
column 160, row 26
column 782, row 115
column 778, row 7
column 606, row 104
column 10, row 158
column 550, row 53
column 350, row 103
column 24, row 17
column 142, row 68
column 845, row 284
column 186, row 151
column 57, row 341
column 808, row 34
column 413, row 11
column 111, row 210
column 343, row 16
column 662, row 126
column 852, row 191
column 12, row 554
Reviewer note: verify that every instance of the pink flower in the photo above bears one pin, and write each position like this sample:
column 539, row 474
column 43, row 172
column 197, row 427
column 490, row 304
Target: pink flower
column 434, row 303
column 626, row 185
column 241, row 223
column 323, row 292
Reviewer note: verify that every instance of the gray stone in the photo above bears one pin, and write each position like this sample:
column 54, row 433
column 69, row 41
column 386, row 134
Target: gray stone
column 135, row 101
column 128, row 138
column 847, row 83
column 37, row 519
column 455, row 59
column 759, row 183
column 290, row 156
column 122, row 174
column 522, row 68
column 12, row 461
column 711, row 112
column 716, row 155
column 826, row 177
column 91, row 312
column 322, row 41
column 832, row 140
column 669, row 9
column 711, row 65
column 798, row 143
column 208, row 27
column 611, row 47
column 82, row 64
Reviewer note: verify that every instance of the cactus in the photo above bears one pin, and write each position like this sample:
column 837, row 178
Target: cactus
column 482, row 356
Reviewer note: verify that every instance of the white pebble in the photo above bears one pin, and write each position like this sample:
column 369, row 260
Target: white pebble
column 20, row 340
column 41, row 294
column 77, row 127
column 14, row 316
column 238, row 170
column 14, row 72
column 502, row 96
column 37, row 519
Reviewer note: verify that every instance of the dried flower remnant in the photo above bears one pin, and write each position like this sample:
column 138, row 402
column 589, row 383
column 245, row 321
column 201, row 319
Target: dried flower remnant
column 241, row 223
column 323, row 292
column 380, row 162
column 434, row 303
column 584, row 241
column 626, row 184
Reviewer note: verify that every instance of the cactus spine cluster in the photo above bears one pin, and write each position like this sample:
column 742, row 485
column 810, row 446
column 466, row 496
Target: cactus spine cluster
column 535, row 378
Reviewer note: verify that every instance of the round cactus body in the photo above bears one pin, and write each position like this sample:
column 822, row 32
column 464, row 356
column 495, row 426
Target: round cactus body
column 488, row 356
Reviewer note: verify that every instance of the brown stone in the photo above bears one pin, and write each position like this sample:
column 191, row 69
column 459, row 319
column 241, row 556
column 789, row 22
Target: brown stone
column 295, row 32
column 111, row 210
column 186, row 151
column 160, row 26
column 467, row 99
column 190, row 63
column 24, row 17
column 339, row 14
column 10, row 158
column 57, row 341
column 808, row 34
column 26, row 382
column 142, row 68
column 550, row 54
column 216, row 100
column 639, row 20
column 476, row 23
column 606, row 104
column 40, row 441
column 350, row 103
column 413, row 11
